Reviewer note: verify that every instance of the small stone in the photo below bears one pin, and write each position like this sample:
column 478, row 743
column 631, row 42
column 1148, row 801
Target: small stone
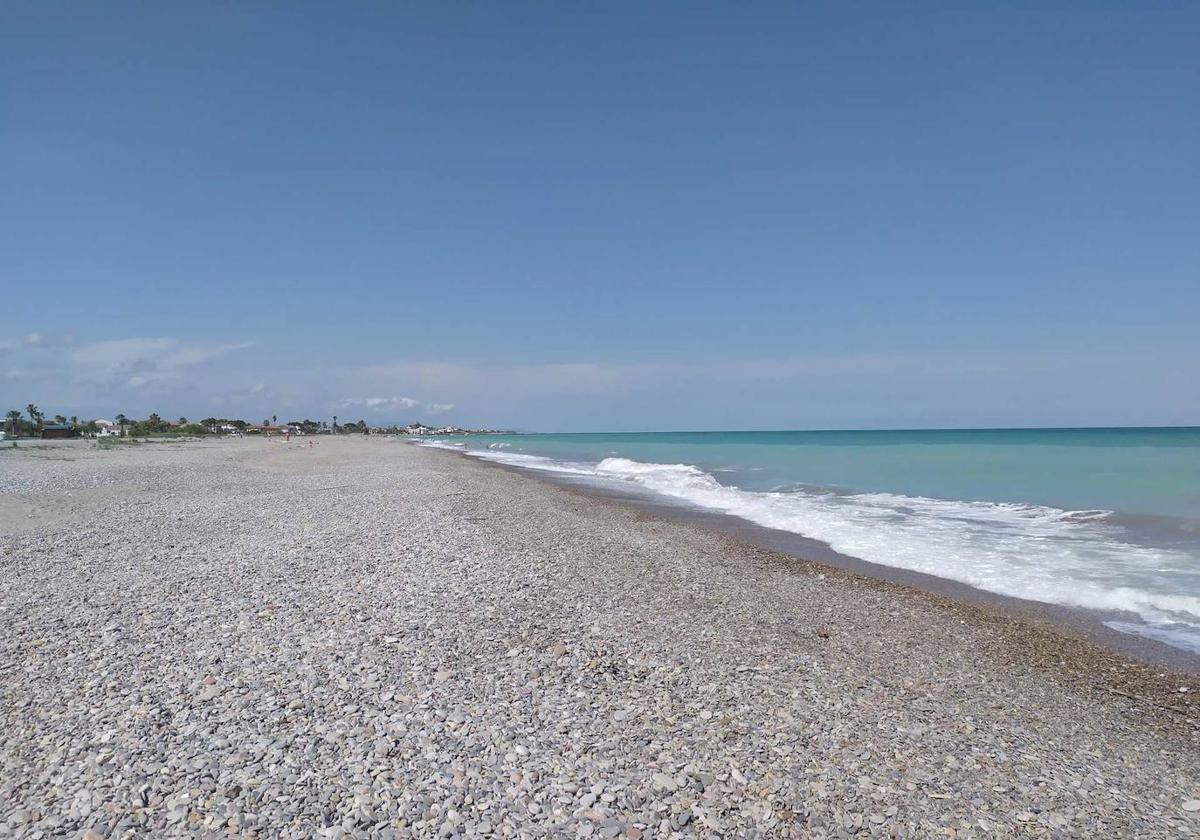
column 1191, row 805
column 209, row 692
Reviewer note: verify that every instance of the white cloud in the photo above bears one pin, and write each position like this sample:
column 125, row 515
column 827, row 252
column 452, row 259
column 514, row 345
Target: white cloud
column 255, row 398
column 614, row 378
column 139, row 362
column 133, row 375
column 29, row 340
column 383, row 404
column 564, row 377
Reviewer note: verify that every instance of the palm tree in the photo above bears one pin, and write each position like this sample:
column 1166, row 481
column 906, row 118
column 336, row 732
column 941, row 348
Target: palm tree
column 74, row 422
column 121, row 421
column 33, row 412
column 274, row 420
column 60, row 420
column 13, row 416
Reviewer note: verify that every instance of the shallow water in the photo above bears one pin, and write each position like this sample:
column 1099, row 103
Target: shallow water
column 1104, row 519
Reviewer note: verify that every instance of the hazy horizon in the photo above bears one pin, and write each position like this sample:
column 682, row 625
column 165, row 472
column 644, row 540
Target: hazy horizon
column 604, row 218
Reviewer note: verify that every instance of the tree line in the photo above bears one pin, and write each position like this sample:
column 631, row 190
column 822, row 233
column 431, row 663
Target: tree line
column 16, row 424
column 32, row 420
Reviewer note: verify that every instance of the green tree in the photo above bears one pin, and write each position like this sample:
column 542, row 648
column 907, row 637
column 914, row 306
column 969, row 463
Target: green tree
column 34, row 414
column 183, row 421
column 60, row 420
column 13, row 417
column 121, row 421
column 154, row 423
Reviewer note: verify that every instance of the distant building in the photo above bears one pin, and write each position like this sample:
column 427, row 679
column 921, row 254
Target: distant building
column 107, row 428
column 57, row 430
column 270, row 430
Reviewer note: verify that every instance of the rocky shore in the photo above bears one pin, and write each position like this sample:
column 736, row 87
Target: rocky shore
column 367, row 639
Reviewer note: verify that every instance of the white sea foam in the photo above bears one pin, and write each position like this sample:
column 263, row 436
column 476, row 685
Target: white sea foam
column 440, row 444
column 1186, row 636
column 535, row 462
column 514, row 459
column 1073, row 558
column 1026, row 551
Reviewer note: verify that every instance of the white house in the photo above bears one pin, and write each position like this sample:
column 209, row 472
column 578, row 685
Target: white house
column 107, row 428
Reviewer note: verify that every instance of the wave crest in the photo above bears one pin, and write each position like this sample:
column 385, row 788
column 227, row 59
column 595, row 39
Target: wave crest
column 1072, row 557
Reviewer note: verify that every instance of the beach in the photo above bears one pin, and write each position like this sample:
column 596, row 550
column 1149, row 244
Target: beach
column 363, row 638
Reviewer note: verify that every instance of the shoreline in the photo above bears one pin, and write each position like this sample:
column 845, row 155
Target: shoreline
column 1043, row 631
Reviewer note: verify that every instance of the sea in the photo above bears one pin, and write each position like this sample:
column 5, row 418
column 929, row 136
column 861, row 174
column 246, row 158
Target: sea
column 1106, row 520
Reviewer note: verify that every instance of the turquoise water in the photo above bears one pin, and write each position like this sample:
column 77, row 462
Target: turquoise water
column 1151, row 471
column 1105, row 519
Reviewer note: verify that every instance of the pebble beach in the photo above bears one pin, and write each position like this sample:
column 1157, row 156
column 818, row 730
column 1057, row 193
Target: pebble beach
column 366, row 639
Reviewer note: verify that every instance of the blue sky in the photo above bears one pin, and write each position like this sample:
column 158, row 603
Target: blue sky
column 603, row 215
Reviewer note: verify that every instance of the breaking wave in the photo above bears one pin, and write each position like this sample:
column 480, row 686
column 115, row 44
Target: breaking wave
column 1077, row 558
